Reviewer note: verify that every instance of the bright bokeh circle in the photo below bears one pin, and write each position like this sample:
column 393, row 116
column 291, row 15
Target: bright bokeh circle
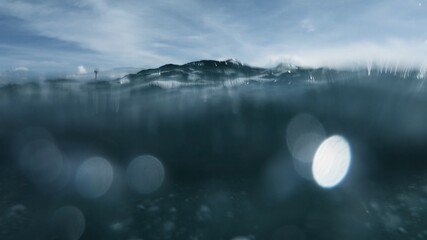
column 331, row 161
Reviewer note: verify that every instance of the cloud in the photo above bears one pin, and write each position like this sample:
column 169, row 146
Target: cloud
column 21, row 69
column 107, row 33
column 97, row 26
column 308, row 25
column 81, row 70
column 392, row 53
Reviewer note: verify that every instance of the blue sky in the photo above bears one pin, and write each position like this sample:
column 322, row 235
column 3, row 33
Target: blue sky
column 47, row 35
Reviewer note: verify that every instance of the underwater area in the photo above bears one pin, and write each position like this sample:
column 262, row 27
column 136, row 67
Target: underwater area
column 216, row 150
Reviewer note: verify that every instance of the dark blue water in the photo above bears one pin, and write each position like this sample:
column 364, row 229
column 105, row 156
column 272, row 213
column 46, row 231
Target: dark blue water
column 210, row 150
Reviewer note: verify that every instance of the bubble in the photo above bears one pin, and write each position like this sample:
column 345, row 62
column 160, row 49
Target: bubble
column 145, row 174
column 331, row 161
column 304, row 134
column 94, row 177
column 68, row 223
column 41, row 161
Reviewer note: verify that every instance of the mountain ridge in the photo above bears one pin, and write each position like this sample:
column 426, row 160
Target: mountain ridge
column 205, row 70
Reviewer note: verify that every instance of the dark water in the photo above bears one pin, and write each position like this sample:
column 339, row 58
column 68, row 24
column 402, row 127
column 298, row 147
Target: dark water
column 224, row 169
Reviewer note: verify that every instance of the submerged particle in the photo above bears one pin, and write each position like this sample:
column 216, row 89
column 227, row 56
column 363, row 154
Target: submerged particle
column 203, row 214
column 117, row 227
column 17, row 211
column 168, row 226
column 249, row 237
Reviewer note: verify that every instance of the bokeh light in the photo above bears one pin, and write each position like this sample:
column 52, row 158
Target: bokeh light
column 304, row 134
column 94, row 177
column 41, row 161
column 331, row 161
column 68, row 223
column 145, row 174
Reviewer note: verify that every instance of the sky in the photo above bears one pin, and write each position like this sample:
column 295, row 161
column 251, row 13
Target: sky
column 80, row 35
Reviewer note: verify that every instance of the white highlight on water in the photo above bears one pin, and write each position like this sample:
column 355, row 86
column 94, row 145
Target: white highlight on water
column 331, row 161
